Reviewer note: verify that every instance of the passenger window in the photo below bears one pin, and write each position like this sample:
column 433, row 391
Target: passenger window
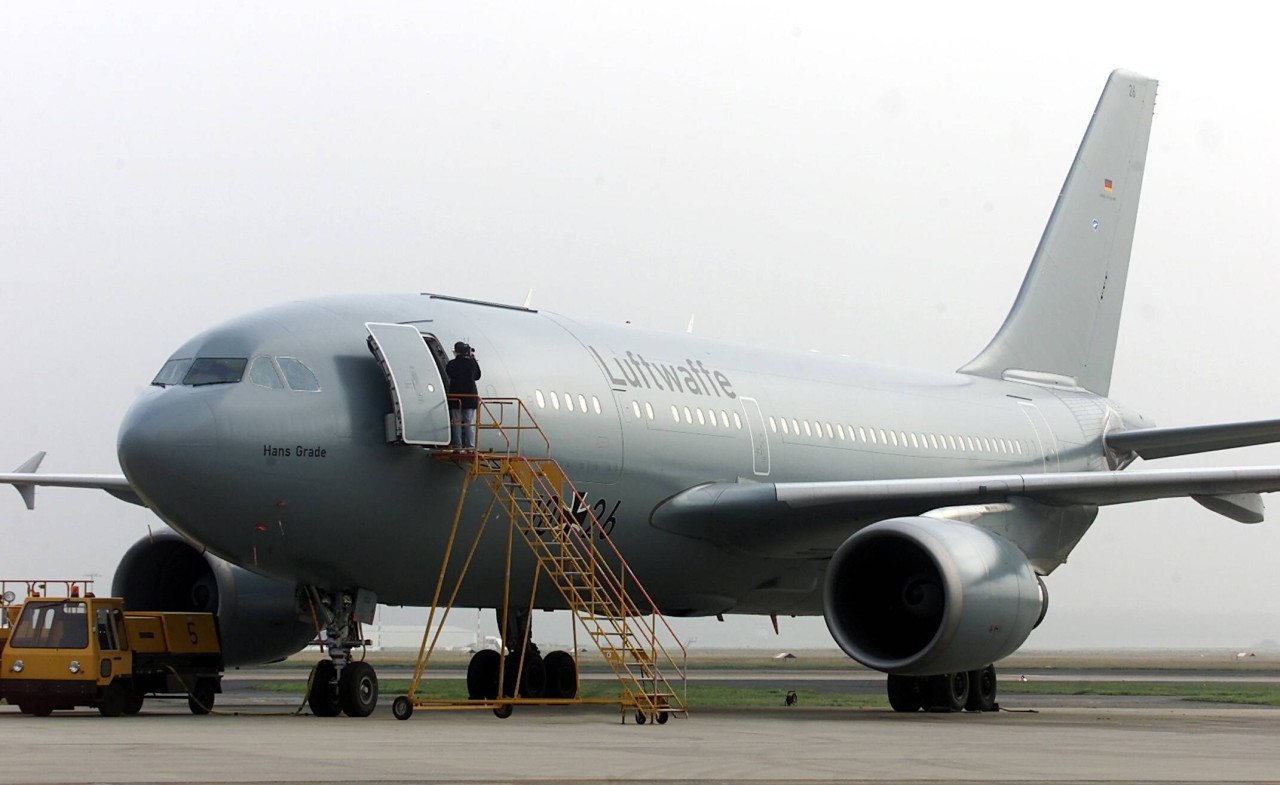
column 297, row 375
column 635, row 409
column 675, row 413
column 542, row 401
column 914, row 443
column 568, row 402
column 785, row 429
column 595, row 404
column 840, row 430
column 773, row 424
column 795, row 426
column 830, row 433
column 724, row 419
column 737, row 421
column 555, row 400
column 648, row 410
column 582, row 403
column 701, row 420
column 215, row 370
column 263, row 373
column 807, row 432
column 894, row 436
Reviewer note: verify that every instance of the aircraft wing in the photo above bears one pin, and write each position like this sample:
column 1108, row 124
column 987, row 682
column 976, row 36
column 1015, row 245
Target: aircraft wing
column 800, row 518
column 25, row 479
column 1151, row 443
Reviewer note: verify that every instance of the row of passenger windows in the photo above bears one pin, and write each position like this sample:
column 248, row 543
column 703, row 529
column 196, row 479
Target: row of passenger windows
column 719, row 418
column 571, row 403
column 879, row 436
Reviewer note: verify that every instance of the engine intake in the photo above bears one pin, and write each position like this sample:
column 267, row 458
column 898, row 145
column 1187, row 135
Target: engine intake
column 923, row 596
column 256, row 616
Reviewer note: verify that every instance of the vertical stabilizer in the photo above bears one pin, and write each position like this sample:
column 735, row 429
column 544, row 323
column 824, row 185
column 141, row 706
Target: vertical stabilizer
column 1064, row 322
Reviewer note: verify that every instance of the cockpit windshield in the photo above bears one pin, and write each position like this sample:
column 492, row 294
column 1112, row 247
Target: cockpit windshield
column 172, row 372
column 215, row 370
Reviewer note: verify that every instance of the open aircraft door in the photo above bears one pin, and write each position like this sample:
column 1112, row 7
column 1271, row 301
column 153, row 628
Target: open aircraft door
column 420, row 407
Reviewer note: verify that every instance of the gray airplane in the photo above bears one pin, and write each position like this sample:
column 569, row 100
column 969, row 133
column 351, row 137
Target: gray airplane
column 917, row 512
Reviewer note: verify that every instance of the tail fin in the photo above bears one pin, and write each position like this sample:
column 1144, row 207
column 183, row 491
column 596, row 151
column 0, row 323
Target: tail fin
column 1063, row 325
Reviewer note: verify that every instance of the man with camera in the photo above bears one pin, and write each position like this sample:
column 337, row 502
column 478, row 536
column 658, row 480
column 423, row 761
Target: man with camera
column 464, row 398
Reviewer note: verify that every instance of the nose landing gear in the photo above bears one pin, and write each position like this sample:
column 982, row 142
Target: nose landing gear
column 340, row 685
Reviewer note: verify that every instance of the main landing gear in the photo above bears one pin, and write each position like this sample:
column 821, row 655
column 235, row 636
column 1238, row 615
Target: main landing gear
column 963, row 691
column 553, row 676
column 339, row 684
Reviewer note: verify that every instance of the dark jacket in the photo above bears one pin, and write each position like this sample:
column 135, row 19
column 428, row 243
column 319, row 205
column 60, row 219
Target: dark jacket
column 463, row 373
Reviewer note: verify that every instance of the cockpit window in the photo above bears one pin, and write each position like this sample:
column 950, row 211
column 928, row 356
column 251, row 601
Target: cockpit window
column 263, row 373
column 215, row 370
column 172, row 372
column 298, row 376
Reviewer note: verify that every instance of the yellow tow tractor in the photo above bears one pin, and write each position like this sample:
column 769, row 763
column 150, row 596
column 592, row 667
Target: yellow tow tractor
column 64, row 652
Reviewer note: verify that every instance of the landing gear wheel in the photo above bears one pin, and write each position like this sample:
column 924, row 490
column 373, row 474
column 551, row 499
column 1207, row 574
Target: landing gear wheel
column 402, row 708
column 641, row 717
column 906, row 693
column 200, row 699
column 482, row 675
column 533, row 682
column 114, row 700
column 134, row 704
column 36, row 708
column 950, row 691
column 323, row 698
column 562, row 675
column 358, row 689
column 982, row 690
column 503, row 711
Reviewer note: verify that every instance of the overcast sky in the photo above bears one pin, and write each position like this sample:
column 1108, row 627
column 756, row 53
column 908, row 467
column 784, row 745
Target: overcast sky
column 796, row 175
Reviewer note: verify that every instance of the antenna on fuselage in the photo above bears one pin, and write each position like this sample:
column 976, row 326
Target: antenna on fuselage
column 528, row 299
column 689, row 329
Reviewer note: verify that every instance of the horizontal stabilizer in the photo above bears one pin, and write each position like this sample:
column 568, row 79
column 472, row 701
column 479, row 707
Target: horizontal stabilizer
column 26, row 478
column 1151, row 443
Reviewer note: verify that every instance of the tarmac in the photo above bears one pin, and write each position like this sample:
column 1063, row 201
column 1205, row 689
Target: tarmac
column 1038, row 738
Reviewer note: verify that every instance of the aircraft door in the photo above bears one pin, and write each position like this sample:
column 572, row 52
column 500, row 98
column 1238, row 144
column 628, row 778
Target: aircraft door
column 420, row 407
column 1044, row 435
column 759, row 437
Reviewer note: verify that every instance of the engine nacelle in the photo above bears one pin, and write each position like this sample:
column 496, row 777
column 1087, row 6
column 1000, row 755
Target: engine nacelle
column 923, row 596
column 256, row 615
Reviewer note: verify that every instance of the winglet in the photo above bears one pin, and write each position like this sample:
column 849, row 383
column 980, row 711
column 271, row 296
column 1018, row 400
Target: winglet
column 28, row 490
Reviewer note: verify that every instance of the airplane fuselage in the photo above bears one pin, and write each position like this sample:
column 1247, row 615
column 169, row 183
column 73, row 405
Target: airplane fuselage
column 304, row 486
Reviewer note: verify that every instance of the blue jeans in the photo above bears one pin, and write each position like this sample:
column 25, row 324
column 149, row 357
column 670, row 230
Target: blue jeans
column 463, row 428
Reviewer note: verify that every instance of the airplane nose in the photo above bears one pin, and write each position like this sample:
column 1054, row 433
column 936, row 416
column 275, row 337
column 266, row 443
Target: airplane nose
column 164, row 438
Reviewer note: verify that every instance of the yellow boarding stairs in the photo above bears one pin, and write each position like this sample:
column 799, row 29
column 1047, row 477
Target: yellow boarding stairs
column 575, row 552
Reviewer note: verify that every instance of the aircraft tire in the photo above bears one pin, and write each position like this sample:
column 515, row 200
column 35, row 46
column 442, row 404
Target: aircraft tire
column 906, row 693
column 562, row 675
column 949, row 691
column 323, row 699
column 533, row 681
column 36, row 708
column 482, row 675
column 982, row 690
column 358, row 689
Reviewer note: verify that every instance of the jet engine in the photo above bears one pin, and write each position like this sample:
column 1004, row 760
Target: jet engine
column 922, row 596
column 256, row 615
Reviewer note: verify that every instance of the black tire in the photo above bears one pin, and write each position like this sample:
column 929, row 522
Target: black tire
column 482, row 675
column 905, row 693
column 503, row 711
column 562, row 675
column 201, row 698
column 323, row 698
column 950, row 691
column 134, row 704
column 641, row 717
column 982, row 690
column 533, row 682
column 402, row 708
column 662, row 717
column 114, row 700
column 358, row 689
column 36, row 708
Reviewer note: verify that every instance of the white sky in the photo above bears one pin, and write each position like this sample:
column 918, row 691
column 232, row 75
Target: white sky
column 807, row 175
